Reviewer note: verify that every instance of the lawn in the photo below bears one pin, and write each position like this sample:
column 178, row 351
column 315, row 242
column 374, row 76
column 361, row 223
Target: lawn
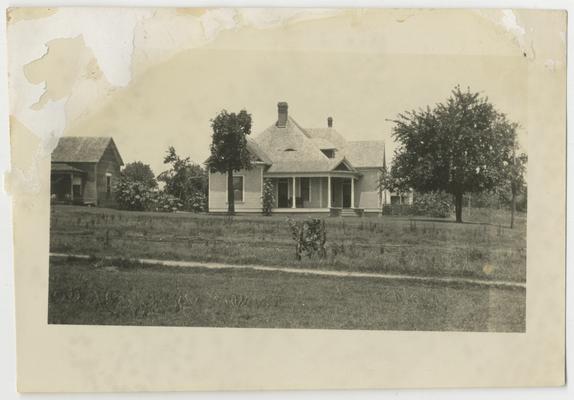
column 122, row 293
column 483, row 247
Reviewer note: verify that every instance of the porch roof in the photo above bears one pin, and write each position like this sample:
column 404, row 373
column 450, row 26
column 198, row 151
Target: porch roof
column 313, row 174
column 65, row 168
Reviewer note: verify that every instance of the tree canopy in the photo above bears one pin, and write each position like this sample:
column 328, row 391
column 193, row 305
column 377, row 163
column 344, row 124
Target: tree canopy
column 139, row 172
column 185, row 180
column 229, row 151
column 459, row 146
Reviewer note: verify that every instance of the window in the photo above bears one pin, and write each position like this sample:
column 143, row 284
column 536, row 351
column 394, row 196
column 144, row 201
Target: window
column 329, row 152
column 108, row 183
column 305, row 192
column 238, row 188
column 396, row 199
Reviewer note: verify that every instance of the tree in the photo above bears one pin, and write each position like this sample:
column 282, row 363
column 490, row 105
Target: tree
column 139, row 172
column 229, row 148
column 135, row 186
column 185, row 180
column 458, row 147
column 515, row 179
column 384, row 182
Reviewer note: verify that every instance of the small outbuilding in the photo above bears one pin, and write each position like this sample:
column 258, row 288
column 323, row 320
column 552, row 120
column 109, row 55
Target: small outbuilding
column 84, row 171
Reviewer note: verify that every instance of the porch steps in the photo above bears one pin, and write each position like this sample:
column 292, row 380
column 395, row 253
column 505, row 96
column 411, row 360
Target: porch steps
column 347, row 212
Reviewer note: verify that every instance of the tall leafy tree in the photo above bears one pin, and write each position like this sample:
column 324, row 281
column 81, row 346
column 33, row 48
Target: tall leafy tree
column 229, row 151
column 515, row 171
column 459, row 146
column 139, row 172
column 185, row 180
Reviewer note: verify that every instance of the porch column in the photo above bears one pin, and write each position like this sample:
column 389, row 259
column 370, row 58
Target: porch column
column 353, row 192
column 328, row 192
column 71, row 186
column 294, row 205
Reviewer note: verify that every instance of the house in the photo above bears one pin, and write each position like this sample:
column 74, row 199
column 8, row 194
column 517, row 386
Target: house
column 84, row 170
column 311, row 170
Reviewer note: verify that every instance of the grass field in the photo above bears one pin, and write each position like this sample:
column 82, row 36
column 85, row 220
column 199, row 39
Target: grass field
column 115, row 291
column 84, row 292
column 484, row 247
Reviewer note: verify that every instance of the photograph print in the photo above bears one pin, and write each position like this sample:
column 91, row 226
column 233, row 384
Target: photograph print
column 331, row 174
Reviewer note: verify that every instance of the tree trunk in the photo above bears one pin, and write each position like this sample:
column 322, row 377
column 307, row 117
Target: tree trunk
column 512, row 207
column 458, row 206
column 230, row 193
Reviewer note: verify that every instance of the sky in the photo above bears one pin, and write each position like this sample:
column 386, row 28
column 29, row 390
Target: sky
column 361, row 70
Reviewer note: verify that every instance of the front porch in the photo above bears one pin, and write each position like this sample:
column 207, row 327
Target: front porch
column 66, row 184
column 316, row 194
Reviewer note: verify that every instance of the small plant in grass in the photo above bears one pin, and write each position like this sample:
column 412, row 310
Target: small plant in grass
column 268, row 197
column 310, row 237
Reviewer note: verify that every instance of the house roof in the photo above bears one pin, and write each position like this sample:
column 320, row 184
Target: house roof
column 257, row 151
column 83, row 149
column 367, row 153
column 63, row 167
column 292, row 148
column 327, row 135
column 323, row 144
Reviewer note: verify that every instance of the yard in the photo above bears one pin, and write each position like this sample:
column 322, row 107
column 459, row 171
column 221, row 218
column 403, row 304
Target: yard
column 126, row 294
column 116, row 291
column 483, row 248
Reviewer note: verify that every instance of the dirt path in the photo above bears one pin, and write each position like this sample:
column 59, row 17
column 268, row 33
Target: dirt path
column 398, row 277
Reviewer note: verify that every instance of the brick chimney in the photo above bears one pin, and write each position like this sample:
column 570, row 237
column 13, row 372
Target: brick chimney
column 330, row 122
column 281, row 114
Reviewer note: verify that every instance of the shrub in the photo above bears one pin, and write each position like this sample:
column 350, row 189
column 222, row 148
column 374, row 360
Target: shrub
column 137, row 196
column 310, row 237
column 433, row 204
column 186, row 181
column 132, row 195
column 163, row 202
column 196, row 201
column 268, row 197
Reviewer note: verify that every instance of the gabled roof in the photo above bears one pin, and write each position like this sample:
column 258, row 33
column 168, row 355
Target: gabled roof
column 323, row 144
column 291, row 149
column 327, row 135
column 367, row 153
column 83, row 149
column 343, row 165
column 257, row 152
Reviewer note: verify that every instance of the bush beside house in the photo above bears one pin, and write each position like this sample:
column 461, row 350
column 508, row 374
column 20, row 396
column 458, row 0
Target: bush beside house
column 185, row 187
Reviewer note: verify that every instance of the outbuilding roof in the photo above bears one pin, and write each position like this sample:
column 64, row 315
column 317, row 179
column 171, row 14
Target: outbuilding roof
column 83, row 149
column 63, row 167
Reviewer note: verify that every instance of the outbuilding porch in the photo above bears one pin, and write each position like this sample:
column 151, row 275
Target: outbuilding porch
column 66, row 184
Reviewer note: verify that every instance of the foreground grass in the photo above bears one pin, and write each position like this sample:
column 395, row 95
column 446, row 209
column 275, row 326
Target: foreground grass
column 484, row 247
column 89, row 292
